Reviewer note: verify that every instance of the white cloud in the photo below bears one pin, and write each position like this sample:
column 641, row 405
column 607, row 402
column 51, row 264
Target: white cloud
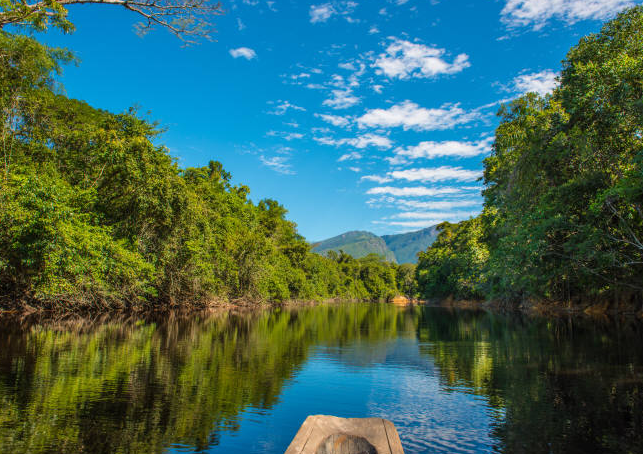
column 404, row 59
column 542, row 82
column 417, row 224
column 341, row 99
column 334, row 120
column 352, row 156
column 283, row 106
column 240, row 24
column 278, row 164
column 450, row 148
column 436, row 214
column 244, row 52
column 323, row 12
column 373, row 30
column 355, row 169
column 367, row 140
column 376, row 179
column 285, row 135
column 437, row 204
column 413, row 192
column 520, row 13
column 347, row 66
column 363, row 141
column 435, row 174
column 293, row 135
column 411, row 116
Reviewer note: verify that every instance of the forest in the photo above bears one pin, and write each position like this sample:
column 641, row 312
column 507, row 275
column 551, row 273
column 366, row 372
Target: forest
column 95, row 214
column 563, row 198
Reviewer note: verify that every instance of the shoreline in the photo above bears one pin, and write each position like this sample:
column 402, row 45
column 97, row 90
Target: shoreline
column 530, row 307
column 214, row 305
column 545, row 308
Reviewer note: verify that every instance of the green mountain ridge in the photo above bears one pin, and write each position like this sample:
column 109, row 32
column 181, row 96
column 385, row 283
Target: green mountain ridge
column 406, row 246
column 401, row 248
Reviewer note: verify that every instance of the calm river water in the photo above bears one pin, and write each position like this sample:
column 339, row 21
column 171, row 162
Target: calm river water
column 451, row 381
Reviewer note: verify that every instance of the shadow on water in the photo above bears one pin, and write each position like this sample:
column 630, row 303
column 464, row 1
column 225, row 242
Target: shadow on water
column 147, row 385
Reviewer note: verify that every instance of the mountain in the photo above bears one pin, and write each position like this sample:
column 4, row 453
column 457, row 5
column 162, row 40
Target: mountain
column 406, row 245
column 402, row 248
column 357, row 243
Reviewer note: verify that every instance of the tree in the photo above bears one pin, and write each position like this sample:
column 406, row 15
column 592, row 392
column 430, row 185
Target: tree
column 189, row 20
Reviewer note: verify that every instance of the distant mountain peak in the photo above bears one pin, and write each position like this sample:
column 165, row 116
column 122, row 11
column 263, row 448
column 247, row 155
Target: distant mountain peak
column 402, row 248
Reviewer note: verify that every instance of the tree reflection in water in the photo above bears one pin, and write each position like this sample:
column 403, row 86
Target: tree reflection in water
column 137, row 384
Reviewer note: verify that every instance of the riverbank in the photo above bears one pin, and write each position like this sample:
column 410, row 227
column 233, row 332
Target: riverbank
column 548, row 308
column 21, row 308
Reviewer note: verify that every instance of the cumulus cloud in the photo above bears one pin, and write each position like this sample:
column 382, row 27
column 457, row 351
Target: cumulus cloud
column 451, row 148
column 413, row 191
column 542, row 82
column 334, row 120
column 435, row 214
column 341, row 99
column 416, row 224
column 376, row 178
column 409, row 115
column 278, row 164
column 404, row 59
column 283, row 106
column 435, row 174
column 436, row 204
column 363, row 141
column 244, row 52
column 536, row 13
column 323, row 12
column 285, row 135
column 352, row 156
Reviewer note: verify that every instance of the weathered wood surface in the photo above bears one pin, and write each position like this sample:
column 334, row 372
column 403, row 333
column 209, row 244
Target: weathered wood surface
column 379, row 432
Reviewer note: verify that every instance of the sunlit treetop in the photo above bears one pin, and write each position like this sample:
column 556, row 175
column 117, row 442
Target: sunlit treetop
column 189, row 20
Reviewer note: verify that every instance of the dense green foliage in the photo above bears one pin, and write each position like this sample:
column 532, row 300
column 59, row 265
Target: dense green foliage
column 94, row 212
column 406, row 246
column 454, row 263
column 563, row 214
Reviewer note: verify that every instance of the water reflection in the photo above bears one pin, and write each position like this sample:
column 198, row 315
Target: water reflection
column 452, row 381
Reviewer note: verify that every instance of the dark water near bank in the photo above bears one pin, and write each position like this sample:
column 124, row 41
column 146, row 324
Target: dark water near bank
column 451, row 381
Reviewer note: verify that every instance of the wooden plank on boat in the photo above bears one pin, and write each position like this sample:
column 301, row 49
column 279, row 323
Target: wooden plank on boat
column 379, row 432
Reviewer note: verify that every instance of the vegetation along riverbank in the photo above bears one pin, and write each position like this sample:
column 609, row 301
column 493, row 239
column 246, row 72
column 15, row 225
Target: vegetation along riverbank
column 563, row 212
column 94, row 213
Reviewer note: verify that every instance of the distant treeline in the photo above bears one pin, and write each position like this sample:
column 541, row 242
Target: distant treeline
column 563, row 211
column 93, row 213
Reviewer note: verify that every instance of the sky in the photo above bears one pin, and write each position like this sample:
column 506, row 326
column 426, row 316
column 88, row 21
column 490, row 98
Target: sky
column 355, row 115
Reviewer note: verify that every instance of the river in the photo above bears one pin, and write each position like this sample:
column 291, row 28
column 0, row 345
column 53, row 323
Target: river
column 452, row 381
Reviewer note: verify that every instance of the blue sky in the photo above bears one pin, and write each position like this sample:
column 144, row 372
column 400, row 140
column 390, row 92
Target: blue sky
column 355, row 115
